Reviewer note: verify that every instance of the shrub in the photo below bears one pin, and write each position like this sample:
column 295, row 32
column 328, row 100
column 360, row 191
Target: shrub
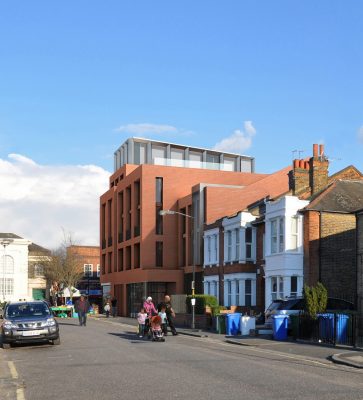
column 201, row 301
column 316, row 299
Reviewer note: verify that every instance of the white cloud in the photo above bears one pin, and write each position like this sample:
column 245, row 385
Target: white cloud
column 37, row 201
column 360, row 134
column 239, row 141
column 146, row 128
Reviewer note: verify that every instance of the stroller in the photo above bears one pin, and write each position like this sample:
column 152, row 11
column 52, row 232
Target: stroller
column 156, row 331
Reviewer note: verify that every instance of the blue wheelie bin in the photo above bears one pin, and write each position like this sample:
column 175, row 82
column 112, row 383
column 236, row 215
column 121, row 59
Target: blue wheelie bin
column 342, row 328
column 279, row 326
column 233, row 323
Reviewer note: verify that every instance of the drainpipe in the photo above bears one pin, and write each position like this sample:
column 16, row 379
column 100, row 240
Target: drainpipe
column 320, row 257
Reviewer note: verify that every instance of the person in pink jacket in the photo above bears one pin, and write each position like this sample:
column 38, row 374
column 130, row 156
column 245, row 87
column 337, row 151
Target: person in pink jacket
column 149, row 307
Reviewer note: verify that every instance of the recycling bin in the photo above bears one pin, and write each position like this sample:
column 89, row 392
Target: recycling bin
column 247, row 323
column 221, row 324
column 326, row 327
column 342, row 328
column 279, row 326
column 233, row 324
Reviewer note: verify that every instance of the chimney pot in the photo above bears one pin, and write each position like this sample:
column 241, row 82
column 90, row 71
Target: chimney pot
column 307, row 165
column 301, row 164
column 315, row 150
column 296, row 164
column 321, row 150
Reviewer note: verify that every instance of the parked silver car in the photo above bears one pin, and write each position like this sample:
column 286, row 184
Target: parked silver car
column 28, row 321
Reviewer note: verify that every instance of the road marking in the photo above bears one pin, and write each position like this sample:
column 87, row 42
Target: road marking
column 20, row 394
column 13, row 371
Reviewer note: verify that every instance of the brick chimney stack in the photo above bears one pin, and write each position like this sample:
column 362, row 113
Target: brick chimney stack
column 309, row 177
column 318, row 169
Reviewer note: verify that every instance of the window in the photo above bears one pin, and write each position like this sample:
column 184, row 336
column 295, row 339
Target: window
column 158, row 154
column 237, row 293
column 98, row 270
column 229, row 293
column 139, row 153
column 159, row 205
column 294, row 233
column 213, row 161
column 215, row 249
column 229, row 164
column 159, row 254
column 246, row 165
column 281, row 235
column 209, row 256
column 277, row 235
column 237, row 244
column 177, row 157
column 88, row 270
column 9, row 286
column 248, row 292
column 38, row 271
column 277, row 287
column 293, row 283
column 229, row 246
column 248, row 239
column 7, row 265
column 208, row 288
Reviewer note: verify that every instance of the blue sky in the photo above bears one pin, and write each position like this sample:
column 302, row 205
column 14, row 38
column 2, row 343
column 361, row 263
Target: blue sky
column 73, row 72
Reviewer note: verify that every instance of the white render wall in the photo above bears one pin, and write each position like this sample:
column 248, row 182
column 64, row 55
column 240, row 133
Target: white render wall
column 18, row 250
column 289, row 262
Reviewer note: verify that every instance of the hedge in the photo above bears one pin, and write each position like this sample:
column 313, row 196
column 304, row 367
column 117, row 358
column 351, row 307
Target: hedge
column 201, row 301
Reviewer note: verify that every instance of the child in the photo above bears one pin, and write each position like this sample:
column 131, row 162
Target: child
column 162, row 315
column 107, row 309
column 141, row 318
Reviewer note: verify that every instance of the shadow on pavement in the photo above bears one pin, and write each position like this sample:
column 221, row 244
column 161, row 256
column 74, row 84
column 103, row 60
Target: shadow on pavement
column 132, row 337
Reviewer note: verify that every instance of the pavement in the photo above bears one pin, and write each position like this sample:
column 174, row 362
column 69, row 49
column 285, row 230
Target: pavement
column 346, row 355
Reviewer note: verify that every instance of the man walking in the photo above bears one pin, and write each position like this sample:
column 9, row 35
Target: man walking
column 170, row 314
column 82, row 307
column 114, row 306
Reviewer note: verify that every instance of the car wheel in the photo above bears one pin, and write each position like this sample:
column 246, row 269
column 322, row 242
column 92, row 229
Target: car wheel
column 56, row 342
column 6, row 346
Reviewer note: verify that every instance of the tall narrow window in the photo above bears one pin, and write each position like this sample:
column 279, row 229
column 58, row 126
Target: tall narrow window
column 159, row 205
column 209, row 257
column 293, row 283
column 98, row 270
column 137, row 255
column 159, row 254
column 215, row 258
column 248, row 238
column 248, row 292
column 237, row 293
column 229, row 293
column 229, row 245
column 294, row 233
column 87, row 268
column 273, row 236
column 277, row 287
column 120, row 260
column 281, row 235
column 237, row 245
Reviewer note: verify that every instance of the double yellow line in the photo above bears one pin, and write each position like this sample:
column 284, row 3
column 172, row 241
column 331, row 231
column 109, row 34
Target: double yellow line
column 14, row 374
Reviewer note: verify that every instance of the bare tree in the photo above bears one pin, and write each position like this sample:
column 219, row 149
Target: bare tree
column 63, row 267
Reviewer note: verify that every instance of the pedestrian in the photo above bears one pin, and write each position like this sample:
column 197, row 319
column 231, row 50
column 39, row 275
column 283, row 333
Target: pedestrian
column 82, row 307
column 149, row 307
column 164, row 322
column 114, row 307
column 107, row 308
column 141, row 319
column 170, row 314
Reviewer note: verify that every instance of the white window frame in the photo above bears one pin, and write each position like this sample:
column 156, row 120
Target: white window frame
column 249, row 244
column 229, row 246
column 237, row 256
column 281, row 235
column 88, row 270
column 238, row 298
column 294, row 234
column 279, row 292
column 277, row 232
column 215, row 248
column 9, row 286
column 294, row 294
column 248, row 294
column 98, row 270
column 209, row 255
column 38, row 271
column 229, row 293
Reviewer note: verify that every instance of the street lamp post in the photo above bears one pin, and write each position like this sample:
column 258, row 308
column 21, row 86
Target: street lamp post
column 171, row 212
column 5, row 243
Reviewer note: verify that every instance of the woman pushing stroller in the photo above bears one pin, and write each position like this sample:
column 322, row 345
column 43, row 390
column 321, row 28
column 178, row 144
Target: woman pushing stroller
column 151, row 311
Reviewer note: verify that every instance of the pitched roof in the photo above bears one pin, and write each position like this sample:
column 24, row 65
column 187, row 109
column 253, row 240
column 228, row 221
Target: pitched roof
column 341, row 196
column 37, row 249
column 9, row 236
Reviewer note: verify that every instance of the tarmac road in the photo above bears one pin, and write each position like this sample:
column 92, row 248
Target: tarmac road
column 107, row 361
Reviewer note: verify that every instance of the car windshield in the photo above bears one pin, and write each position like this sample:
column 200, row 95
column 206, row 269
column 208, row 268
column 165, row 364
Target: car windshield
column 27, row 310
column 293, row 304
column 274, row 305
